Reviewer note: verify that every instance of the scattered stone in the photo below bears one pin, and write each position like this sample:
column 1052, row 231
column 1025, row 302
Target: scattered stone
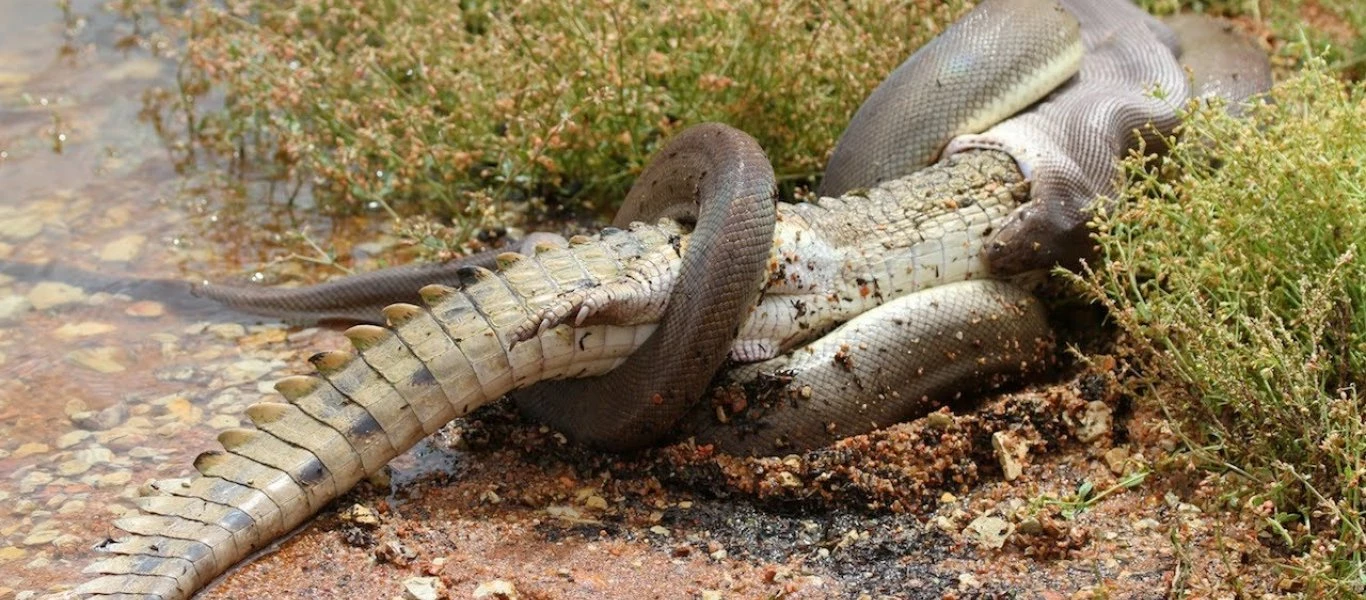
column 660, row 530
column 360, row 515
column 788, row 480
column 1011, row 451
column 989, row 532
column 95, row 455
column 595, row 502
column 1146, row 523
column 145, row 309
column 105, row 359
column 227, row 331
column 48, row 294
column 71, row 507
column 249, row 369
column 498, row 589
column 1029, row 526
column 20, row 227
column 225, row 422
column 13, row 307
column 31, row 448
column 10, row 553
column 711, row 595
column 100, row 420
column 123, row 249
column 115, row 479
column 84, row 329
column 1096, row 422
column 71, row 438
column 73, row 467
column 39, row 538
column 182, row 409
column 1117, row 459
column 423, row 588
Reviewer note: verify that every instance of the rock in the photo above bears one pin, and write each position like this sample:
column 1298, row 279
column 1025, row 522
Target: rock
column 123, row 249
column 20, row 227
column 1117, row 459
column 12, row 308
column 105, row 359
column 10, row 553
column 39, row 538
column 71, row 438
column 227, row 331
column 1011, row 451
column 989, row 532
column 31, row 448
column 1096, row 422
column 75, row 466
column 145, row 309
column 498, row 589
column 423, row 588
column 115, row 479
column 84, row 329
column 101, row 420
column 48, row 294
column 360, row 515
column 224, row 422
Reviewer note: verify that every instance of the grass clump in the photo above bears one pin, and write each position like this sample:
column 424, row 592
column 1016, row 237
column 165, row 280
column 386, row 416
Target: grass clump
column 1238, row 277
column 455, row 109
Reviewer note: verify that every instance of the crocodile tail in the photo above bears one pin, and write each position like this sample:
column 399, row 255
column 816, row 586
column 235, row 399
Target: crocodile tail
column 363, row 408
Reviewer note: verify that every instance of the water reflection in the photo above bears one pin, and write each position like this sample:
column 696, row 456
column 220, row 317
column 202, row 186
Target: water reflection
column 102, row 386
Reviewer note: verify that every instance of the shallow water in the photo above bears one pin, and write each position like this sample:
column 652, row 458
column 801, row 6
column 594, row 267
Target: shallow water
column 101, row 391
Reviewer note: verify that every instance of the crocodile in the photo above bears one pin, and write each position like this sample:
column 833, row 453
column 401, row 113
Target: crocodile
column 899, row 251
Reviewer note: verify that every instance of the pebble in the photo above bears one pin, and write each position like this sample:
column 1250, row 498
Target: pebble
column 423, row 588
column 1010, row 451
column 13, row 307
column 225, row 422
column 12, row 553
column 498, row 589
column 84, row 329
column 1095, row 422
column 31, row 448
column 48, row 294
column 68, row 468
column 95, row 455
column 101, row 420
column 71, row 507
column 115, row 479
column 39, row 538
column 250, row 369
column 71, row 438
column 143, row 452
column 989, row 532
column 145, row 309
column 227, row 331
column 105, row 359
column 361, row 515
column 20, row 227
column 123, row 249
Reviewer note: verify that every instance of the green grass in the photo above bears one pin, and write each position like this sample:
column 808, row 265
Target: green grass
column 460, row 110
column 1237, row 275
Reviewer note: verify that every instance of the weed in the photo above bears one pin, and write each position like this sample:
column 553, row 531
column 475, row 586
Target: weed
column 1236, row 273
